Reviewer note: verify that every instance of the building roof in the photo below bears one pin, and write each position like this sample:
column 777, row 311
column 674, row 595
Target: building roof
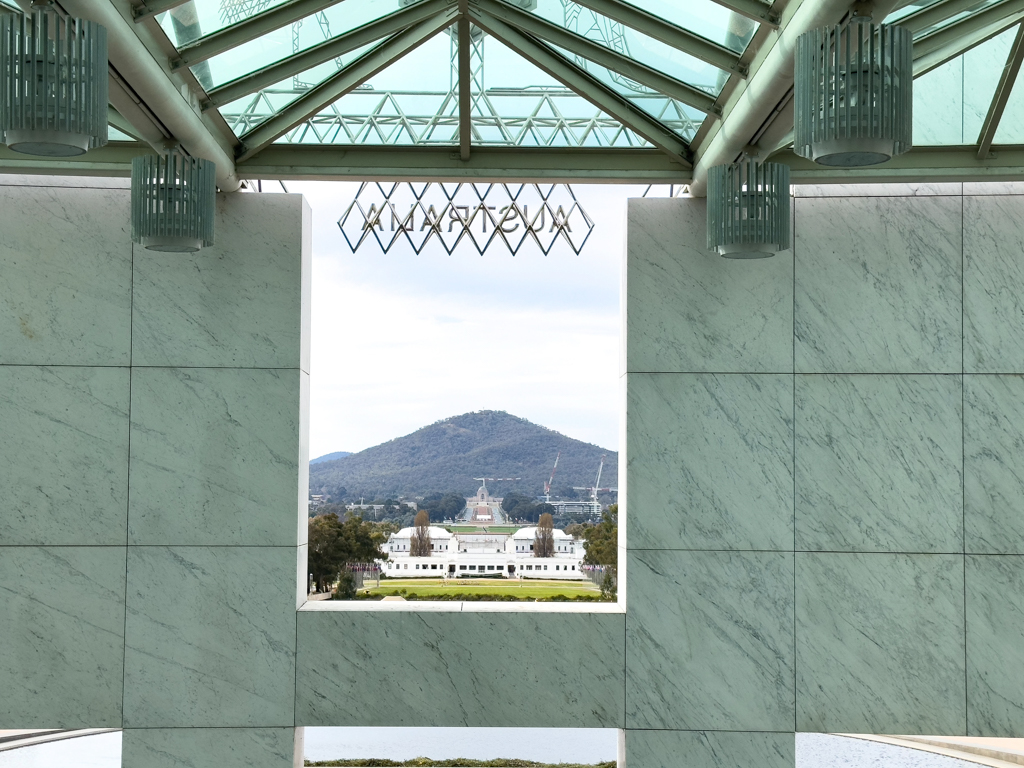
column 611, row 90
column 436, row 532
column 530, row 533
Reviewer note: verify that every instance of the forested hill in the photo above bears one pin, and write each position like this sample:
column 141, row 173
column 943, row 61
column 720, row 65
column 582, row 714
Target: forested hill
column 448, row 454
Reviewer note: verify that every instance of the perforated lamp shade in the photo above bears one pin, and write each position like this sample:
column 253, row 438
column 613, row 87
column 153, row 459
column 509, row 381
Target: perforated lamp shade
column 853, row 94
column 53, row 84
column 173, row 202
column 748, row 209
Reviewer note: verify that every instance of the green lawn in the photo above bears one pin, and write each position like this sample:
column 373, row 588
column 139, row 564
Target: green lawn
column 525, row 588
column 480, row 529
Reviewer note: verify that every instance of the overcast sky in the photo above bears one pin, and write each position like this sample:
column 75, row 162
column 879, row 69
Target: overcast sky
column 400, row 341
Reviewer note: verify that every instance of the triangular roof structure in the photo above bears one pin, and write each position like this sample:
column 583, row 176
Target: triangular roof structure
column 521, row 90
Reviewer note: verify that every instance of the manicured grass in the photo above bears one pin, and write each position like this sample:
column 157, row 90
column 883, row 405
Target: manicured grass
column 423, row 762
column 480, row 529
column 523, row 589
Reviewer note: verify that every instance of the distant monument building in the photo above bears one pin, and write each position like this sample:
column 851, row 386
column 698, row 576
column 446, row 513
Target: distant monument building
column 483, row 554
column 483, row 509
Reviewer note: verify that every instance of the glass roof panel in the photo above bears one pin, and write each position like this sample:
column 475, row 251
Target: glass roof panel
column 704, row 18
column 244, row 114
column 978, row 7
column 196, row 18
column 909, row 8
column 636, row 45
column 296, row 37
column 680, row 118
column 415, row 102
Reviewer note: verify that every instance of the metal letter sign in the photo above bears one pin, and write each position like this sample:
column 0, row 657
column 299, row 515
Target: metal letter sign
column 451, row 213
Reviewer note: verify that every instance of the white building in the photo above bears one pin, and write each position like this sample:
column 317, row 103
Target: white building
column 483, row 554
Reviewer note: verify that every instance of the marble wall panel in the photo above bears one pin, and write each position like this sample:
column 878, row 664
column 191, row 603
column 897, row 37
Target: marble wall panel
column 460, row 669
column 212, row 747
column 215, row 456
column 65, row 296
column 710, row 461
column 709, row 749
column 61, row 636
column 237, row 304
column 994, row 464
column 64, row 455
column 993, row 284
column 878, row 285
column 879, row 463
column 689, row 310
column 880, row 643
column 210, row 637
column 995, row 646
column 709, row 641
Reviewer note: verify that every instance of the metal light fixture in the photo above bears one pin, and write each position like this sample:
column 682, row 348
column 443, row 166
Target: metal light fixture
column 853, row 93
column 173, row 199
column 748, row 209
column 53, row 84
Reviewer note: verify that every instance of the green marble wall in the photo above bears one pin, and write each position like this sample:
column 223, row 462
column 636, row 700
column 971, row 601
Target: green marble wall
column 824, row 474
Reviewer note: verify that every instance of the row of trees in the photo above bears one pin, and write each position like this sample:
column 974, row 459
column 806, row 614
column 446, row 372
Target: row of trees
column 335, row 542
column 602, row 539
column 522, row 507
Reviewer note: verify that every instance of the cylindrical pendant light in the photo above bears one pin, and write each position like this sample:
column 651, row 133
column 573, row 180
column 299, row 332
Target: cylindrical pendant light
column 53, row 84
column 853, row 93
column 173, row 201
column 748, row 209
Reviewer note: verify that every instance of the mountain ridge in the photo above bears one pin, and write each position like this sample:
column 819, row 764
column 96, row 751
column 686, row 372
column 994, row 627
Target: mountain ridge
column 446, row 456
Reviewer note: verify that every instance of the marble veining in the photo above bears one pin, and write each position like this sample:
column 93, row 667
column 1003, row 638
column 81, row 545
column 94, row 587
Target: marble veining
column 65, row 299
column 236, row 304
column 64, row 455
column 203, row 747
column 61, row 636
column 214, row 456
column 709, row 641
column 982, row 67
column 460, row 669
column 710, row 461
column 994, row 465
column 905, row 189
column 880, row 643
column 993, row 284
column 939, row 105
column 689, row 310
column 709, row 749
column 995, row 649
column 210, row 637
column 879, row 463
column 878, row 285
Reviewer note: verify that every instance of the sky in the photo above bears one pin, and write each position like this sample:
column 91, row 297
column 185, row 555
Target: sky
column 401, row 340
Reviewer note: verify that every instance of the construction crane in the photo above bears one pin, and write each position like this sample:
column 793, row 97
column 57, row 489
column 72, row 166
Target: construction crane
column 595, row 489
column 547, row 485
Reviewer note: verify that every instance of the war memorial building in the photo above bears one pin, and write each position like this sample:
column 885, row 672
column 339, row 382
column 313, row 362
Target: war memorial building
column 822, row 368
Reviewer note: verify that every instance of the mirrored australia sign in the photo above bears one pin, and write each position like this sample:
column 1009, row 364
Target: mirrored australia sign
column 473, row 215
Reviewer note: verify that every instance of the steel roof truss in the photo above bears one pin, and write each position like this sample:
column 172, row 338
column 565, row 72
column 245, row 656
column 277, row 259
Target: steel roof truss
column 599, row 54
column 1006, row 82
column 338, row 84
column 584, row 85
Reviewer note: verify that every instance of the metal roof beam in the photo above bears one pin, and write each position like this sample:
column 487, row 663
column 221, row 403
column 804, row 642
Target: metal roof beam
column 753, row 102
column 599, row 54
column 677, row 37
column 947, row 36
column 255, row 26
column 935, row 14
column 153, row 7
column 955, row 163
column 465, row 85
column 327, row 50
column 337, row 85
column 752, row 9
column 585, row 85
column 946, row 44
column 152, row 84
column 492, row 164
column 1006, row 82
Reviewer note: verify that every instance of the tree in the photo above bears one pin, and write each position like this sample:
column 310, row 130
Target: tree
column 443, row 506
column 603, row 539
column 513, row 500
column 333, row 544
column 544, row 541
column 420, row 544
